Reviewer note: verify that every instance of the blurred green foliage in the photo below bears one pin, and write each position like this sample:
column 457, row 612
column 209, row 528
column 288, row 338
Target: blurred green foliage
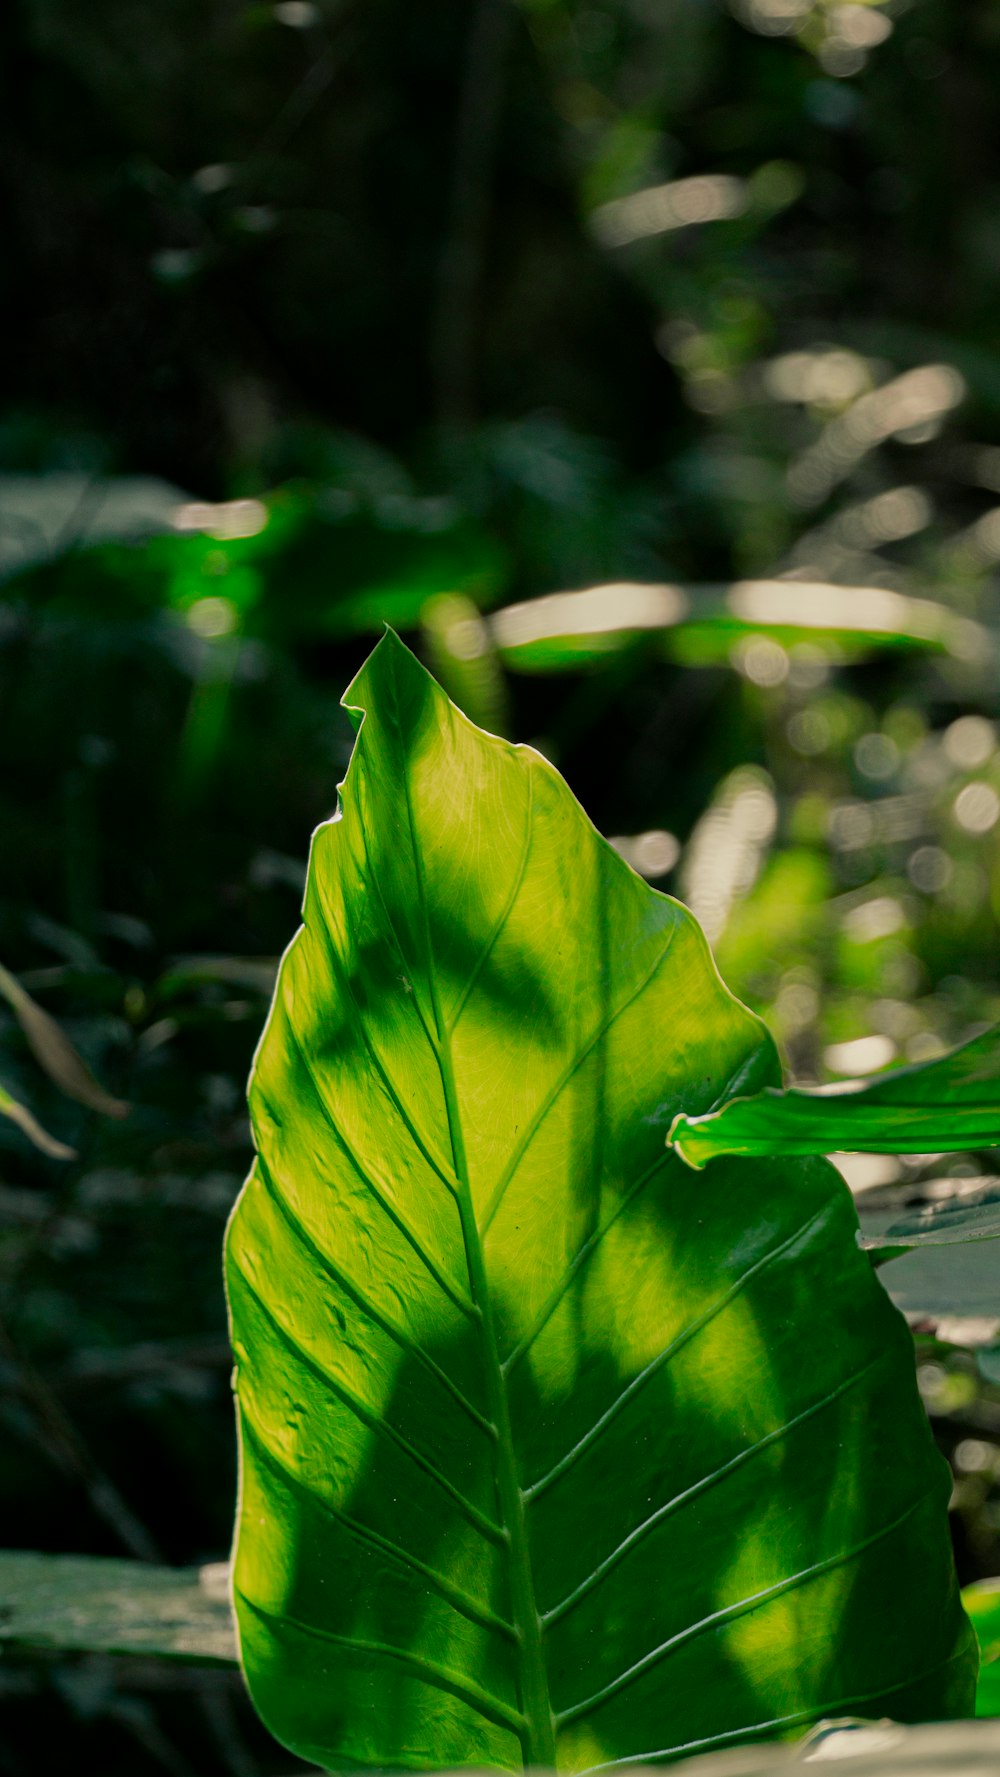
column 319, row 314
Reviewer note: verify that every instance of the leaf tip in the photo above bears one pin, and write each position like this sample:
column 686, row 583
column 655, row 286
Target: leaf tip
column 679, row 1138
column 389, row 655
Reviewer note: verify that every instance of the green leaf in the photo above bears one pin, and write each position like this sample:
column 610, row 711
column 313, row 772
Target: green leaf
column 982, row 1601
column 941, row 1106
column 702, row 625
column 552, row 1452
column 83, row 1604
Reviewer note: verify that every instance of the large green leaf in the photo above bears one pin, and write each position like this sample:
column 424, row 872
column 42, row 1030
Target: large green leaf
column 941, row 1106
column 552, row 1451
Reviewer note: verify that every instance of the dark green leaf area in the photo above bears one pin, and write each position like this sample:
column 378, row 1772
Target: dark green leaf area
column 554, row 1451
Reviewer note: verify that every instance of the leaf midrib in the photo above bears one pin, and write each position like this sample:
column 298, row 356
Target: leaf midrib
column 537, row 1735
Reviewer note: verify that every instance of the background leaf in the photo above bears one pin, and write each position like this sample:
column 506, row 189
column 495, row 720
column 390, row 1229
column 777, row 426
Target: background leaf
column 18, row 1113
column 967, row 1215
column 951, row 1103
column 867, row 1749
column 706, row 625
column 552, row 1450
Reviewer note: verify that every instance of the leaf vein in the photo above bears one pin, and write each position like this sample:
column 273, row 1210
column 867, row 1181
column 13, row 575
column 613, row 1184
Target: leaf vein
column 690, row 1332
column 755, row 1730
column 576, row 1265
column 453, row 1595
column 538, row 1728
column 567, row 1075
column 507, row 910
column 376, row 886
column 394, row 1332
column 697, row 1488
column 442, row 1678
column 374, row 1421
column 339, row 971
column 730, row 1612
column 450, row 1290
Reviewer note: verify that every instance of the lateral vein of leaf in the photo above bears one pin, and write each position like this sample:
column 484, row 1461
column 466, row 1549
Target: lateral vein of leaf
column 396, row 1333
column 697, row 1488
column 454, row 1295
column 586, row 1252
column 590, row 1246
column 663, row 1161
column 731, row 1611
column 372, row 1419
column 690, row 1332
column 556, row 1091
column 437, row 1166
column 756, row 1729
column 440, row 1677
column 453, row 1595
column 508, row 908
column 373, row 878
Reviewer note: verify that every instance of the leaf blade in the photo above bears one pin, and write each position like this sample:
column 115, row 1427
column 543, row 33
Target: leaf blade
column 460, row 1047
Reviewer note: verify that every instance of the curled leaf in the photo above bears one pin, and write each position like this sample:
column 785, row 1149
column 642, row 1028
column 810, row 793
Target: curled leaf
column 948, row 1105
column 55, row 1053
column 19, row 1113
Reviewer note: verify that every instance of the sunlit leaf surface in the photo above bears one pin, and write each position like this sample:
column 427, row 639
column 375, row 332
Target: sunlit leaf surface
column 940, row 1106
column 553, row 1452
column 81, row 1604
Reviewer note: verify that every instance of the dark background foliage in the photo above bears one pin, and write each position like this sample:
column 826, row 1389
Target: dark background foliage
column 320, row 314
